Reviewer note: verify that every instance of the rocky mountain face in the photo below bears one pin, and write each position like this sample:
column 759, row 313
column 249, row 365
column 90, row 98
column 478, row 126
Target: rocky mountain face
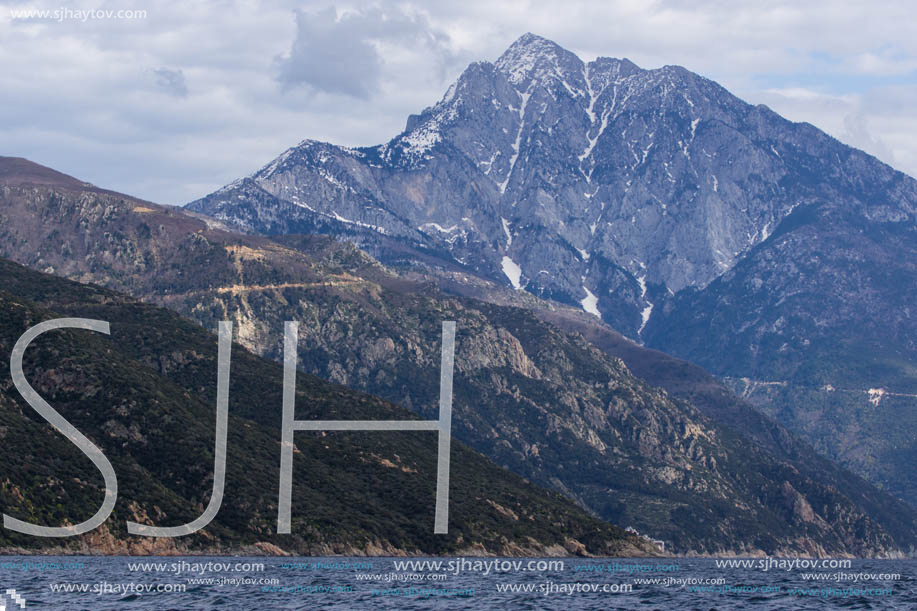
column 711, row 229
column 146, row 396
column 737, row 410
column 546, row 404
column 599, row 184
column 816, row 326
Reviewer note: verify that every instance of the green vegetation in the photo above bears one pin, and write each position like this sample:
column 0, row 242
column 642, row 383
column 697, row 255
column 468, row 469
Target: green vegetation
column 145, row 396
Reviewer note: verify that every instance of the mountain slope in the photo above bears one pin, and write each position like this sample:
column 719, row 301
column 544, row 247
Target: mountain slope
column 146, row 396
column 546, row 404
column 658, row 201
column 816, row 326
column 605, row 184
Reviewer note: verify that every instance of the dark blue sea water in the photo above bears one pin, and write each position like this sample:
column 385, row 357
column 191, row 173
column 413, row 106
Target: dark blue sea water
column 163, row 583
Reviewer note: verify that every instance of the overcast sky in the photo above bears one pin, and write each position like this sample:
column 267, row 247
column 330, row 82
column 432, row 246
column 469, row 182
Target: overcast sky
column 174, row 105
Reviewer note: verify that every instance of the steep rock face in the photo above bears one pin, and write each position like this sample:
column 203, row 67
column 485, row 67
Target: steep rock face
column 597, row 184
column 548, row 405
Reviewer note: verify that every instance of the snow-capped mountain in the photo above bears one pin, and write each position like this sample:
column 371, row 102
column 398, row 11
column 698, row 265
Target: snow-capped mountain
column 594, row 183
column 599, row 184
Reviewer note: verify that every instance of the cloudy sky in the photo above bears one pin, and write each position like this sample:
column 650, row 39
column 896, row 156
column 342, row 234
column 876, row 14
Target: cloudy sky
column 175, row 104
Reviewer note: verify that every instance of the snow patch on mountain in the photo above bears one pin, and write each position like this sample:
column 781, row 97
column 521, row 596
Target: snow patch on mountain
column 648, row 309
column 512, row 161
column 438, row 227
column 347, row 221
column 513, row 272
column 422, row 139
column 590, row 303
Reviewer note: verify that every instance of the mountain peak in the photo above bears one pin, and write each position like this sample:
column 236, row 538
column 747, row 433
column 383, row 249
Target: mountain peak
column 534, row 41
column 533, row 56
column 622, row 66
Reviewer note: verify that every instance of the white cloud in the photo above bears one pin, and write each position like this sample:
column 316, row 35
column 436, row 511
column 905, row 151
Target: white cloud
column 860, row 120
column 345, row 53
column 857, row 133
column 883, row 64
column 175, row 105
